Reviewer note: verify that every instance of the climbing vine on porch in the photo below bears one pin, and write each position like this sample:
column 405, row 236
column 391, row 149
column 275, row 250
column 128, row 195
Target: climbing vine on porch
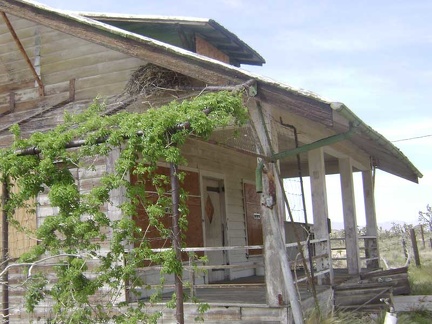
column 74, row 238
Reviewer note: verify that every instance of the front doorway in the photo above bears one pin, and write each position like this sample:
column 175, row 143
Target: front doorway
column 215, row 226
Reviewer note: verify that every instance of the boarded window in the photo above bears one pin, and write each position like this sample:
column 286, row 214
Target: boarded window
column 253, row 216
column 194, row 233
column 20, row 241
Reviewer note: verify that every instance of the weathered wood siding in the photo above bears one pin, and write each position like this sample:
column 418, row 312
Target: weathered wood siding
column 58, row 58
column 20, row 241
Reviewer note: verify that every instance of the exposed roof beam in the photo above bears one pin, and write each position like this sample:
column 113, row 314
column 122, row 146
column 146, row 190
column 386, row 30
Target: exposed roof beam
column 240, row 55
column 218, row 39
column 24, row 53
column 135, row 45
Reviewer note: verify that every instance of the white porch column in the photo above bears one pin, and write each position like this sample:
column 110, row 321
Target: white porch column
column 349, row 213
column 320, row 209
column 371, row 245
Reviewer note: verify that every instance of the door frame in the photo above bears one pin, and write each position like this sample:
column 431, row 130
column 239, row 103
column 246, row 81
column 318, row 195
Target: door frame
column 204, row 175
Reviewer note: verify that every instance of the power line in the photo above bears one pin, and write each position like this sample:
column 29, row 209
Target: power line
column 411, row 138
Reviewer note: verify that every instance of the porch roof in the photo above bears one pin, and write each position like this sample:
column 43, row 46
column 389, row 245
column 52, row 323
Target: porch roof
column 383, row 153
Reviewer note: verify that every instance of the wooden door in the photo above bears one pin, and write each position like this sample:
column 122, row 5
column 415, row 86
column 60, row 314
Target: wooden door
column 215, row 225
column 252, row 202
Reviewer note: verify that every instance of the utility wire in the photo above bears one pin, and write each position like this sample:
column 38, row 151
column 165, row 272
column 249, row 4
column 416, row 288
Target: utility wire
column 411, row 138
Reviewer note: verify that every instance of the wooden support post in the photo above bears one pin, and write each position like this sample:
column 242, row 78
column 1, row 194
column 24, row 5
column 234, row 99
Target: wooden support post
column 115, row 213
column 404, row 248
column 274, row 248
column 12, row 102
column 176, row 241
column 273, row 272
column 320, row 210
column 349, row 214
column 72, row 89
column 24, row 54
column 415, row 247
column 5, row 252
column 371, row 245
column 276, row 289
column 422, row 236
column 278, row 277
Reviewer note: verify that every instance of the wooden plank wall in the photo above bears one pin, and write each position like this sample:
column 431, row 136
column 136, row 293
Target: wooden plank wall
column 97, row 70
column 20, row 238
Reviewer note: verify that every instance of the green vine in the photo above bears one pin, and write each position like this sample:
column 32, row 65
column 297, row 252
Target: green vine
column 76, row 233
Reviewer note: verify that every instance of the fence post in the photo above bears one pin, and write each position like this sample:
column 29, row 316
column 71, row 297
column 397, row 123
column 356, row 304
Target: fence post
column 415, row 247
column 422, row 236
column 404, row 247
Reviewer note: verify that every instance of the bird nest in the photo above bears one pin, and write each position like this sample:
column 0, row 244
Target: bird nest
column 150, row 79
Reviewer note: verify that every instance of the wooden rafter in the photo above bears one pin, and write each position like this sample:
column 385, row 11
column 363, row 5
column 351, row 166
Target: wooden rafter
column 24, row 54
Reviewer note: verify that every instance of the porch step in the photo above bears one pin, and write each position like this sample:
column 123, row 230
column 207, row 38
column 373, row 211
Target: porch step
column 230, row 314
column 364, row 294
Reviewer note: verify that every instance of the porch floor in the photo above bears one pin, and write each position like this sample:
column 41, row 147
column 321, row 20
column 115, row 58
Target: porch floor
column 243, row 300
column 249, row 290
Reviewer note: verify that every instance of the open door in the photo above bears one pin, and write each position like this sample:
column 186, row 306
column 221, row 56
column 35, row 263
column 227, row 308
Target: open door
column 215, row 225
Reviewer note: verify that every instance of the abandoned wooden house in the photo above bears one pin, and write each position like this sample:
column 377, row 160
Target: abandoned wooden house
column 53, row 61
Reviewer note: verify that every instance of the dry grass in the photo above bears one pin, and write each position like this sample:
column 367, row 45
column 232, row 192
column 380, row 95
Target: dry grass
column 392, row 250
column 342, row 317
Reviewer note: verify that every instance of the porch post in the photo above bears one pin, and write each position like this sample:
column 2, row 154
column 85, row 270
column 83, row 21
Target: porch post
column 320, row 210
column 117, row 197
column 278, row 277
column 371, row 244
column 349, row 213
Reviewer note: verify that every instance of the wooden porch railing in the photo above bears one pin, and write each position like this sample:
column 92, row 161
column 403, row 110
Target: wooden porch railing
column 368, row 250
column 294, row 264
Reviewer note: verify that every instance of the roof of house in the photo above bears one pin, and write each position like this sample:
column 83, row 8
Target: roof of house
column 304, row 103
column 175, row 31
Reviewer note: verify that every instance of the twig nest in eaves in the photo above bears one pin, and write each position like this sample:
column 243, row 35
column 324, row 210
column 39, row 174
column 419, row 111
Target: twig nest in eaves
column 150, row 79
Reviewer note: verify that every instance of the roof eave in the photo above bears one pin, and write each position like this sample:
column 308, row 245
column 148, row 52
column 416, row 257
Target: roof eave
column 257, row 58
column 144, row 18
column 411, row 174
column 235, row 38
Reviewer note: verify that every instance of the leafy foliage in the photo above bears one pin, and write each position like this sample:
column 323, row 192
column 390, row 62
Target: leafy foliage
column 76, row 233
column 425, row 217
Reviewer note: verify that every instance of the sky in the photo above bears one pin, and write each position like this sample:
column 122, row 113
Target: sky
column 374, row 56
